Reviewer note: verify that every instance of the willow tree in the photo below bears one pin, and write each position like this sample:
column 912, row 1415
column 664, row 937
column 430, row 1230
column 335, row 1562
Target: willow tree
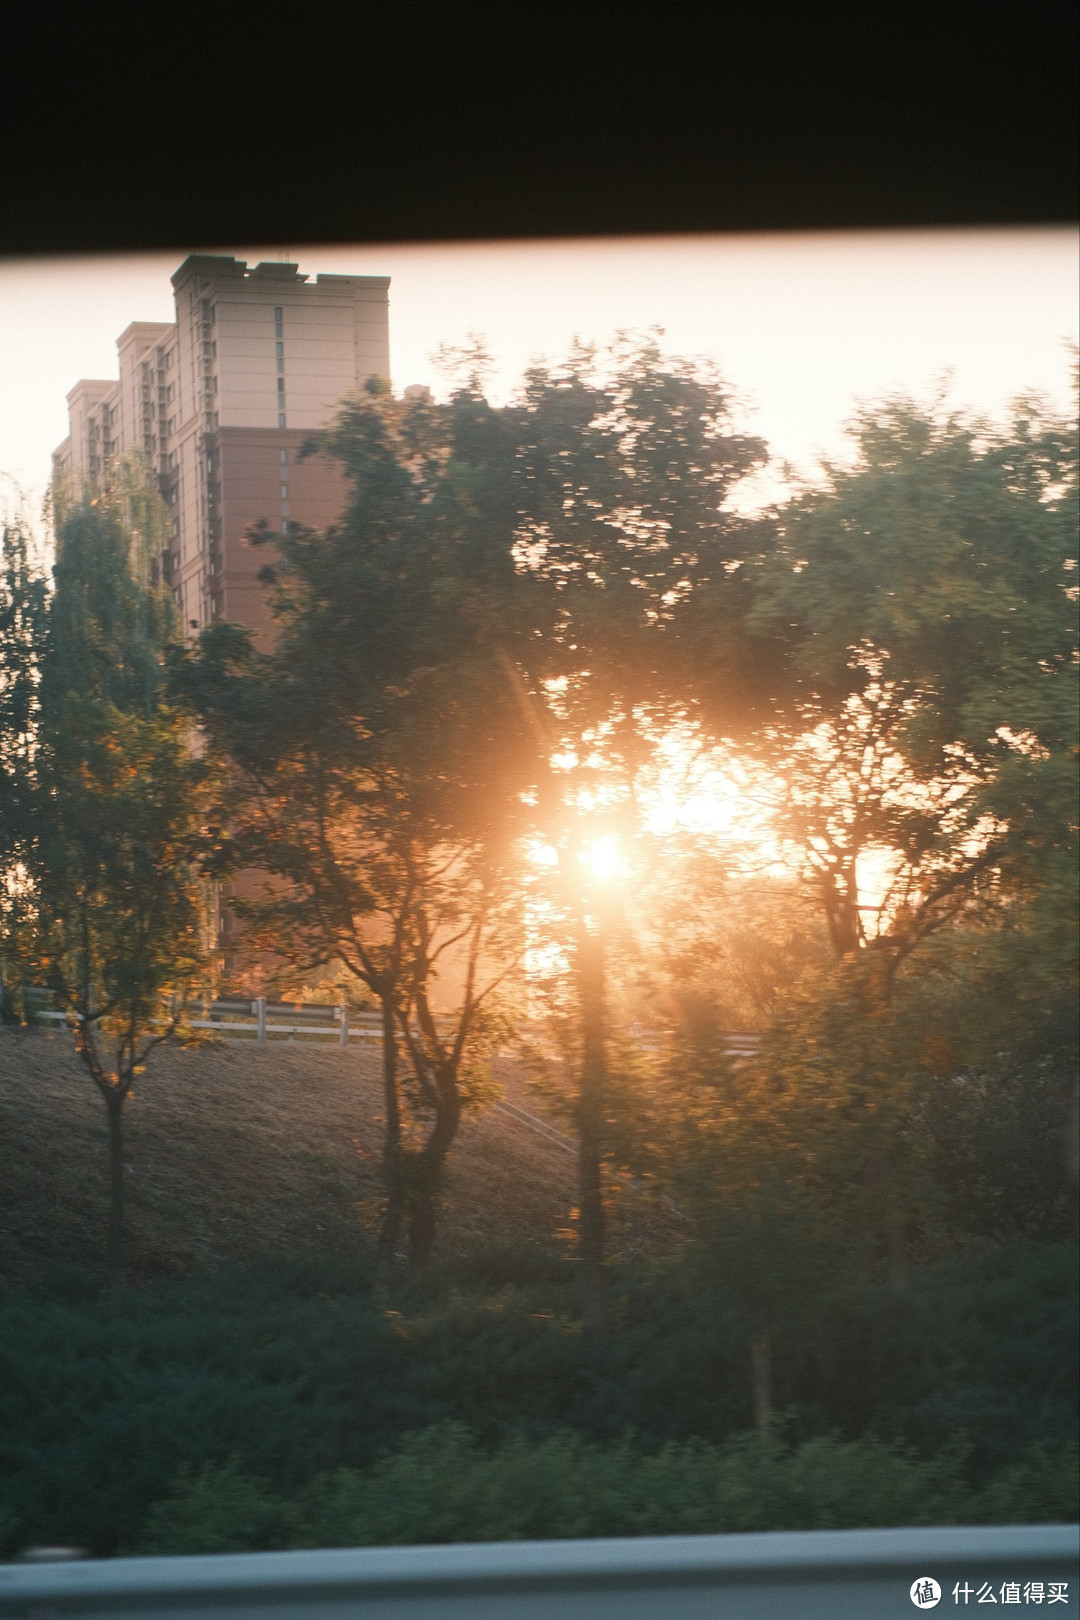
column 117, row 916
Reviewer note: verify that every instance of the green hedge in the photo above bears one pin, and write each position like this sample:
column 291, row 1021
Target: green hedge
column 441, row 1485
column 294, row 1369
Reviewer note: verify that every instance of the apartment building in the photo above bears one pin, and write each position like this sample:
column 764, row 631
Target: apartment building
column 220, row 402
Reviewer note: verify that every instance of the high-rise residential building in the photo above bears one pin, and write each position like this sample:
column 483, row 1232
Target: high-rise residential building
column 220, row 403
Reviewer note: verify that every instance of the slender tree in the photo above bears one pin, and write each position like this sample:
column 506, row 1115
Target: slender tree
column 114, row 901
column 623, row 470
column 23, row 638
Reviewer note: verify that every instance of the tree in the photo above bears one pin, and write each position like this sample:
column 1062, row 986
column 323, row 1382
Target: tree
column 920, row 739
column 370, row 785
column 114, row 902
column 23, row 632
column 623, row 468
column 927, row 594
column 487, row 635
column 923, row 727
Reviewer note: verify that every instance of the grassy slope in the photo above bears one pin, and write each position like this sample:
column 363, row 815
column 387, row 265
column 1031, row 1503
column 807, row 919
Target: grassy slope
column 237, row 1150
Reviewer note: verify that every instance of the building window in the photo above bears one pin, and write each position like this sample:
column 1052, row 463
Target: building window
column 280, row 350
column 281, row 419
column 283, row 456
column 284, row 492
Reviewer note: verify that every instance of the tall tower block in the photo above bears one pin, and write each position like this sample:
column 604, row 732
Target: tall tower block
column 220, row 404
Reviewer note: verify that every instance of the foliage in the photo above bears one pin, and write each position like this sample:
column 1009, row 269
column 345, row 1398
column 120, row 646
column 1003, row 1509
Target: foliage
column 115, row 917
column 926, row 592
column 23, row 637
column 867, row 1131
column 366, row 784
column 489, row 594
column 440, row 1486
column 484, row 657
column 293, row 1370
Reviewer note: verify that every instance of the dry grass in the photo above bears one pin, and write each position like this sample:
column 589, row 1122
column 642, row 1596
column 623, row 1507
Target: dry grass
column 237, row 1150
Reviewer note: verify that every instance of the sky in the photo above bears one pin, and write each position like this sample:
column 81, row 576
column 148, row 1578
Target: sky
column 803, row 327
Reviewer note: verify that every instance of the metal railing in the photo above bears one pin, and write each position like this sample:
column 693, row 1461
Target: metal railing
column 262, row 1019
column 259, row 1020
column 237, row 1018
column 797, row 1575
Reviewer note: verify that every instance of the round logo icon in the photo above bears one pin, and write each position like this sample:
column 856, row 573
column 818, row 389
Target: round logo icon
column 925, row 1592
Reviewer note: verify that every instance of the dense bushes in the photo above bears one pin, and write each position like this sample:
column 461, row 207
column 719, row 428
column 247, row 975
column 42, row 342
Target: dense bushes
column 286, row 1396
column 441, row 1486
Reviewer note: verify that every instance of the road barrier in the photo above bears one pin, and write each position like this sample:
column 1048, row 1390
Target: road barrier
column 802, row 1575
column 259, row 1020
column 236, row 1018
column 262, row 1019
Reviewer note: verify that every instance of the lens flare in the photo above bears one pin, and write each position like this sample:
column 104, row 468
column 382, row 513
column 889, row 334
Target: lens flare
column 601, row 856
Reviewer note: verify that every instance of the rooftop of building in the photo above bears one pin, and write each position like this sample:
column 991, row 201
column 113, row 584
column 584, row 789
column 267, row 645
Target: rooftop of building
column 225, row 267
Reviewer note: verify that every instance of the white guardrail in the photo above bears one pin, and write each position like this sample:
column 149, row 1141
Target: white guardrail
column 262, row 1020
column 804, row 1575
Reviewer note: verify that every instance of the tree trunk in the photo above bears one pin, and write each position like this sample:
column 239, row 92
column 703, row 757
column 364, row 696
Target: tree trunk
column 393, row 1180
column 428, row 1168
column 114, row 1102
column 425, row 1199
column 423, row 1221
column 591, row 1132
column 761, row 1379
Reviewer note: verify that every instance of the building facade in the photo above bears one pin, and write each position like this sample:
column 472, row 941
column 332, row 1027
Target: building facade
column 219, row 403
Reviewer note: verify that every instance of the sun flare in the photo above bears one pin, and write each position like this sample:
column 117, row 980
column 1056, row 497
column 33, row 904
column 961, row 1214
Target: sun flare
column 601, row 856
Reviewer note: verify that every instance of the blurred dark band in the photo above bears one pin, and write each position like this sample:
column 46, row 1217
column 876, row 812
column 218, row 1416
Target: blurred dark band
column 794, row 119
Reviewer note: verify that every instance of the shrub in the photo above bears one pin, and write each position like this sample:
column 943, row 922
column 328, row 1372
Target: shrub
column 440, row 1485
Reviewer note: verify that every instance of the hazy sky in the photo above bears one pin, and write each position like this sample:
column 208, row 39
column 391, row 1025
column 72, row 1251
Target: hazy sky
column 802, row 326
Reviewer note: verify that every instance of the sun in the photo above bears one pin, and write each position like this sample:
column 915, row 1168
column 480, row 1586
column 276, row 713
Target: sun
column 601, row 856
